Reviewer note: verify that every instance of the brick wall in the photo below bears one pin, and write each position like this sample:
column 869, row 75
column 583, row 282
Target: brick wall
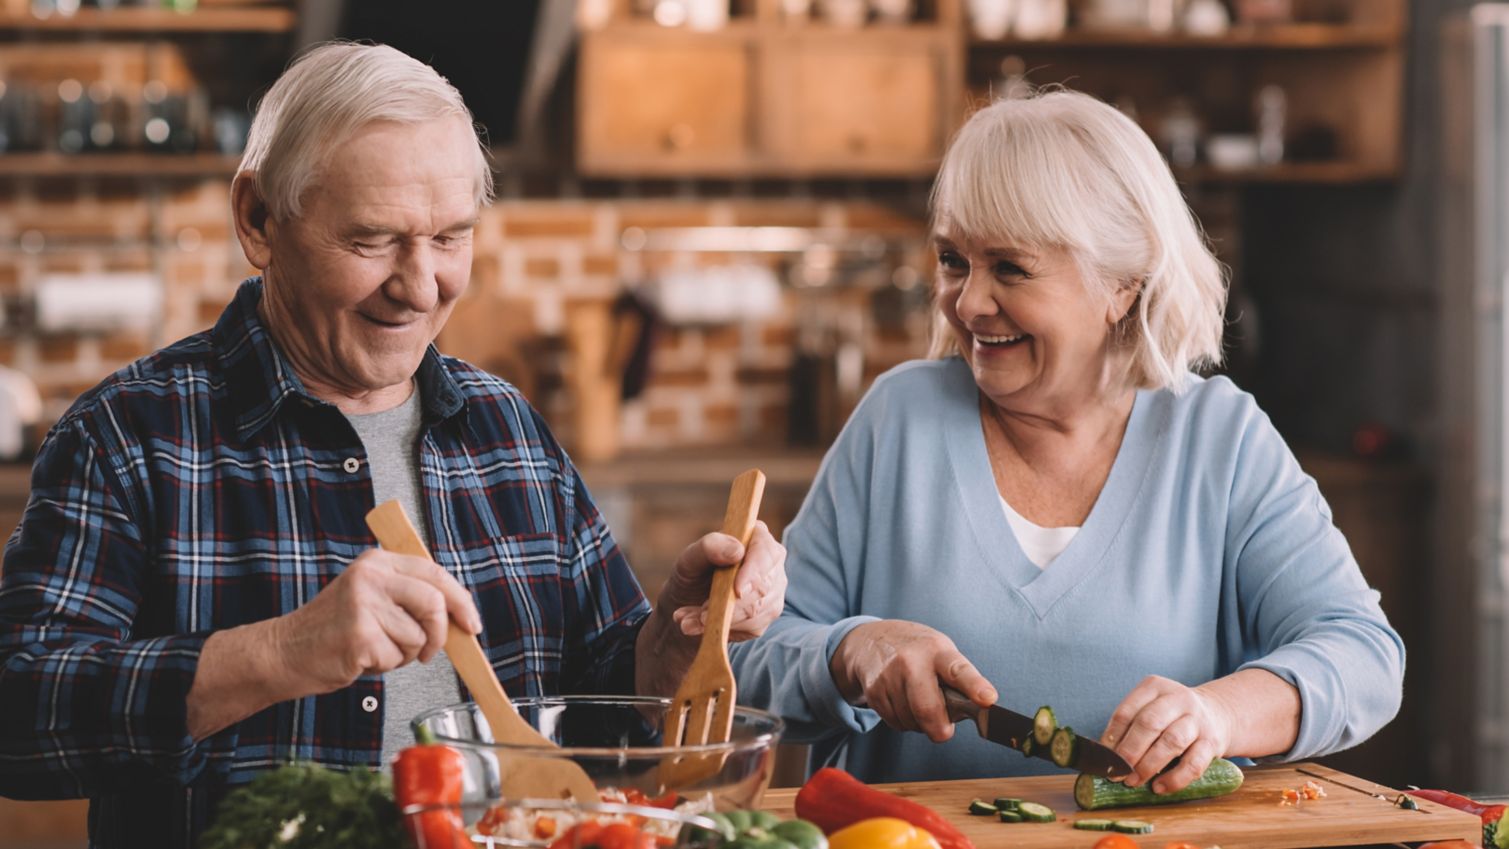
column 534, row 260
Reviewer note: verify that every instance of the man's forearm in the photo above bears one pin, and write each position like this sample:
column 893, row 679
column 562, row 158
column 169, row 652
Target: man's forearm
column 662, row 654
column 239, row 674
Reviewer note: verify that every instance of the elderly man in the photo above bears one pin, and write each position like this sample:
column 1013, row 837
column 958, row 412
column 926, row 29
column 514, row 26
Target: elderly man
column 193, row 597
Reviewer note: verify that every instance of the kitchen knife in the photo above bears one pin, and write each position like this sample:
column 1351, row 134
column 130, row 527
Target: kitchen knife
column 1010, row 729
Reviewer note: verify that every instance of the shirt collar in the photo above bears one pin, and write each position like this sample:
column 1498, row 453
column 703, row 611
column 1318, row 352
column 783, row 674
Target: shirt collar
column 261, row 380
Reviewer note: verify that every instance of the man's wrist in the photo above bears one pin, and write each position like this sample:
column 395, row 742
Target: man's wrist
column 662, row 655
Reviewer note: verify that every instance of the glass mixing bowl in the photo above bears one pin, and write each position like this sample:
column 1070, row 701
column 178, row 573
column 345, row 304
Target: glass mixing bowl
column 618, row 741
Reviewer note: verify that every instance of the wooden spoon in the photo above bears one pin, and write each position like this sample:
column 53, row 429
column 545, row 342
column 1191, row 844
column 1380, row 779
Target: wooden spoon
column 523, row 776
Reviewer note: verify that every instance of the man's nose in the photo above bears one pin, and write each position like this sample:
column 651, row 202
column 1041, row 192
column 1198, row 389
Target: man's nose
column 413, row 282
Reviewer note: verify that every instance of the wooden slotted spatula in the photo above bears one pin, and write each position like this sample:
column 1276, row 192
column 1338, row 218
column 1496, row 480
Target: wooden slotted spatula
column 703, row 708
column 523, row 777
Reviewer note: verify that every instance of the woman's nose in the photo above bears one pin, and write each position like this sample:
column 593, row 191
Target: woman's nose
column 974, row 298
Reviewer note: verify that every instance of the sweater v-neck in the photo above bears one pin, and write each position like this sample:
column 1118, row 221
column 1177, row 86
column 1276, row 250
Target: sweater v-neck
column 1042, row 588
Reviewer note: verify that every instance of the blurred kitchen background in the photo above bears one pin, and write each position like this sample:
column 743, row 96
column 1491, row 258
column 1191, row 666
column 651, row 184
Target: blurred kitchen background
column 709, row 239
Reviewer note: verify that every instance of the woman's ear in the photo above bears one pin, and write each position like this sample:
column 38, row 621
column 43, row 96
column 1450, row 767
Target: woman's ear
column 252, row 220
column 1123, row 298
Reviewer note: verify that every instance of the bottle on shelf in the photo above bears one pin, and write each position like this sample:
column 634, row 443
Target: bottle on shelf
column 1272, row 111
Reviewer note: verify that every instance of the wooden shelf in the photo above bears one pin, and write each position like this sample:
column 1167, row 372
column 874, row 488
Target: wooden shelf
column 1285, row 37
column 118, row 165
column 270, row 19
column 1313, row 173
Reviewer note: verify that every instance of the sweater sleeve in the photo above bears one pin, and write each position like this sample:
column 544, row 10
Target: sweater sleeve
column 1307, row 614
column 786, row 670
column 83, row 706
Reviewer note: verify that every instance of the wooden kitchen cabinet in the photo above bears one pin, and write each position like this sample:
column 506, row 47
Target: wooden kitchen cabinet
column 768, row 96
column 664, row 104
column 876, row 106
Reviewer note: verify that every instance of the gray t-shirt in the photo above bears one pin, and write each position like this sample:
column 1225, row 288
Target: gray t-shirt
column 392, row 442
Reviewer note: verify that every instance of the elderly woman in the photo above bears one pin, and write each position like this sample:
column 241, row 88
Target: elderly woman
column 1056, row 510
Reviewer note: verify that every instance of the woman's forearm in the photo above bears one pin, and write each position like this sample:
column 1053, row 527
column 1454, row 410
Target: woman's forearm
column 1264, row 711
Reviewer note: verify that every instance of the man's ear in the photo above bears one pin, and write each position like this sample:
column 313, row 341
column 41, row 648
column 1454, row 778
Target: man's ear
column 252, row 220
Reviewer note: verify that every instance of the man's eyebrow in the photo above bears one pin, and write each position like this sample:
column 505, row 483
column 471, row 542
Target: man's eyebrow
column 462, row 226
column 362, row 228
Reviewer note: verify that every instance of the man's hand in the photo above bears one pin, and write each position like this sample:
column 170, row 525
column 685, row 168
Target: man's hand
column 667, row 643
column 384, row 611
column 760, row 587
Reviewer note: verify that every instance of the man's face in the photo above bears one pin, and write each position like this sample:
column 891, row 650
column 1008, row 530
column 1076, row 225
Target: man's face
column 363, row 279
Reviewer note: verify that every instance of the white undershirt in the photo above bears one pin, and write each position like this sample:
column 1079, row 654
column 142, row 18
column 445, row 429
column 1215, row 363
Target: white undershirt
column 1040, row 544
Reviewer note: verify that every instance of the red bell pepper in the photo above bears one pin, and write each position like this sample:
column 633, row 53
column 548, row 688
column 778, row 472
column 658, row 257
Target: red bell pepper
column 1488, row 813
column 430, row 775
column 833, row 799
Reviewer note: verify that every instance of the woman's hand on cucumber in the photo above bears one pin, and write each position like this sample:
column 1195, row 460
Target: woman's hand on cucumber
column 1161, row 720
column 894, row 667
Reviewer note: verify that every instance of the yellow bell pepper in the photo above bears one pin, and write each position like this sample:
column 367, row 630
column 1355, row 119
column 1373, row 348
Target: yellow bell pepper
column 882, row 833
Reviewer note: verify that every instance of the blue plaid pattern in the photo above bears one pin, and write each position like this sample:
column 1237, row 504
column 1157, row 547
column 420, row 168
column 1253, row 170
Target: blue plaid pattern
column 202, row 488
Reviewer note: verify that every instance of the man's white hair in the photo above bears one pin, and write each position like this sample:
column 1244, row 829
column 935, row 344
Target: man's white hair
column 324, row 97
column 1061, row 169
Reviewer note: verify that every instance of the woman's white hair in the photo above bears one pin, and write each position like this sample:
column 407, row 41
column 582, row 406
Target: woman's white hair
column 1060, row 169
column 324, row 97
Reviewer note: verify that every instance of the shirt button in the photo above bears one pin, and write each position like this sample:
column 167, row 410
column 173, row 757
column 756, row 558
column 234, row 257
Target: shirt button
column 369, row 704
column 351, row 465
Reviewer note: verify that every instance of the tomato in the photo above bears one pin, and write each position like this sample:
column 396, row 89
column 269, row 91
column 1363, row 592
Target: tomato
column 1449, row 844
column 1116, row 841
column 1181, row 845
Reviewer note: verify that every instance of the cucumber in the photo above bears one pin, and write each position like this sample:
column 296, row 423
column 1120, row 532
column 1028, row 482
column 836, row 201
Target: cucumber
column 1093, row 825
column 1007, row 803
column 1132, row 826
column 978, row 808
column 1043, row 725
column 1063, row 747
column 1092, row 793
column 1033, row 812
column 1009, row 816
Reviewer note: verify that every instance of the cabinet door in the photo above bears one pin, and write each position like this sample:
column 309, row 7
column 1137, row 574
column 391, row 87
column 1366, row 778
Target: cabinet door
column 871, row 107
column 662, row 105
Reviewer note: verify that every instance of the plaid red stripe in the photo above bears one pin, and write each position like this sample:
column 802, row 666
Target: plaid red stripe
column 202, row 488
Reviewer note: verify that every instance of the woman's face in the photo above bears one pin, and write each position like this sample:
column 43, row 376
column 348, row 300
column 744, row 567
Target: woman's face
column 1035, row 336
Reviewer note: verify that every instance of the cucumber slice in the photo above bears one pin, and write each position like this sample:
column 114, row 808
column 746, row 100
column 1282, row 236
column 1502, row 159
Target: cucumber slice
column 1093, row 825
column 1132, row 826
column 1029, row 746
column 1043, row 725
column 1033, row 812
column 1064, row 747
column 1007, row 803
column 978, row 808
column 1009, row 816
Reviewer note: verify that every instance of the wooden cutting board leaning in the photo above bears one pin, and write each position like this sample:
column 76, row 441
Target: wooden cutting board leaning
column 1354, row 812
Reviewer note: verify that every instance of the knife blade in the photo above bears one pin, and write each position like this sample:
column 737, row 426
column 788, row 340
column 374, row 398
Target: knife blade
column 1010, row 729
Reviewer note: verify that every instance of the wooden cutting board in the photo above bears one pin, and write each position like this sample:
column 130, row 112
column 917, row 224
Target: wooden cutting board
column 1355, row 812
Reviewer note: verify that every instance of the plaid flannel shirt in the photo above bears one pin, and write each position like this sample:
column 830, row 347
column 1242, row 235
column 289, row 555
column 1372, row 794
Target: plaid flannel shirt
column 202, row 488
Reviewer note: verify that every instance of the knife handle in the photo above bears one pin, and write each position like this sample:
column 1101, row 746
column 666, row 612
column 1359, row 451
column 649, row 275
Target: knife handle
column 959, row 706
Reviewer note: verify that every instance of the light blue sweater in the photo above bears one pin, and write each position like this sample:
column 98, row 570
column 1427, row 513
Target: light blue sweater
column 1208, row 551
